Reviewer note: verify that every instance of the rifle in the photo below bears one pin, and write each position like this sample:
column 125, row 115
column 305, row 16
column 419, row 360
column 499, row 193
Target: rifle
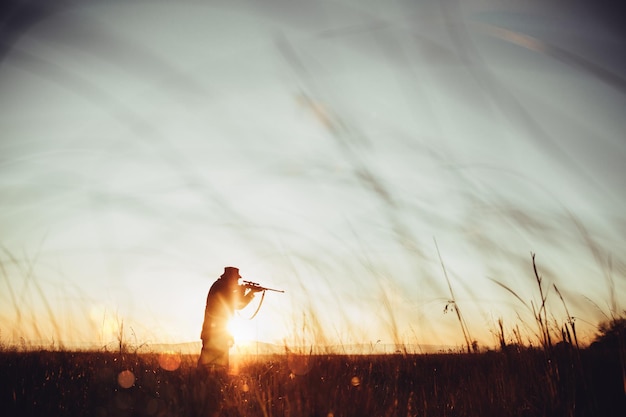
column 254, row 286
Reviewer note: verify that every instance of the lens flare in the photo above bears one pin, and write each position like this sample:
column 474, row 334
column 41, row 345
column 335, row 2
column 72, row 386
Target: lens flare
column 243, row 331
column 126, row 379
column 170, row 361
column 299, row 364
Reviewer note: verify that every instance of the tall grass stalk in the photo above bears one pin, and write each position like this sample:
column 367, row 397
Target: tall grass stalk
column 570, row 324
column 539, row 310
column 27, row 271
column 541, row 315
column 455, row 306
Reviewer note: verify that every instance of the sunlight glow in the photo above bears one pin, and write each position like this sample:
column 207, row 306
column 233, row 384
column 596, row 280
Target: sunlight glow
column 243, row 331
column 108, row 324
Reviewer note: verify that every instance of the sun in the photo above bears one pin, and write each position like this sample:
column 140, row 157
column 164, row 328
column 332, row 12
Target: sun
column 243, row 331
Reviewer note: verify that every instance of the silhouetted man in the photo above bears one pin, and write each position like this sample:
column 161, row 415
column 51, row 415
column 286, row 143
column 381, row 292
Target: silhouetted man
column 225, row 296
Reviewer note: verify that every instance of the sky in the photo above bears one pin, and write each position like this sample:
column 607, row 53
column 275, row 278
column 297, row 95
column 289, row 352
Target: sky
column 387, row 164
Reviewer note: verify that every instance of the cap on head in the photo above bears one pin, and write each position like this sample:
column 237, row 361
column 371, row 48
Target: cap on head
column 231, row 271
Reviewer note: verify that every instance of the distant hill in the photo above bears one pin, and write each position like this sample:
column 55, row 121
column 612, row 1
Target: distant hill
column 263, row 348
column 186, row 348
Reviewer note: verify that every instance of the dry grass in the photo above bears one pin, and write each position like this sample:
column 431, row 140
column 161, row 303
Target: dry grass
column 510, row 383
column 555, row 378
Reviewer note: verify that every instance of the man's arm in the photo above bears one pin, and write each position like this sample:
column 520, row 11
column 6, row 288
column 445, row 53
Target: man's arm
column 244, row 297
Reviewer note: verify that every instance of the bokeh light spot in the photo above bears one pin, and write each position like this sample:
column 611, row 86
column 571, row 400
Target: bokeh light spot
column 299, row 364
column 170, row 361
column 152, row 406
column 126, row 379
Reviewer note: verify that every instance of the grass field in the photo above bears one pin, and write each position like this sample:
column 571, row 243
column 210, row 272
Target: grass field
column 552, row 375
column 513, row 382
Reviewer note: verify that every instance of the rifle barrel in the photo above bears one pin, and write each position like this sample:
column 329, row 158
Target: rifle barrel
column 257, row 286
column 272, row 289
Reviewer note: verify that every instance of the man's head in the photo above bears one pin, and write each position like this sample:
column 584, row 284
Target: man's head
column 231, row 273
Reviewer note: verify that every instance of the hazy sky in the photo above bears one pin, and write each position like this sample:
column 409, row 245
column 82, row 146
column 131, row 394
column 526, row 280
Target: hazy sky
column 326, row 148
